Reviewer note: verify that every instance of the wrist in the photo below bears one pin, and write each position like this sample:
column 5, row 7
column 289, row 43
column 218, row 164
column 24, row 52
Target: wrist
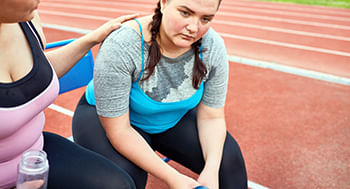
column 173, row 179
column 168, row 175
column 90, row 39
column 212, row 166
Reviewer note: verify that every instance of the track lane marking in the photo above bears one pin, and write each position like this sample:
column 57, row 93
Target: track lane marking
column 290, row 45
column 224, row 22
column 269, row 18
column 291, row 70
column 94, row 8
column 291, row 7
column 151, row 6
column 291, row 21
column 285, row 13
column 303, row 47
column 62, row 110
column 275, row 29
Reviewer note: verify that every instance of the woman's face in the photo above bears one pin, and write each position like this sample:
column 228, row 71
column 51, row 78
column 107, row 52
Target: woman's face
column 186, row 21
column 17, row 10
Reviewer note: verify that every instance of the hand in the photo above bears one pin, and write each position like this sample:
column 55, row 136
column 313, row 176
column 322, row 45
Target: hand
column 182, row 182
column 34, row 184
column 209, row 179
column 98, row 35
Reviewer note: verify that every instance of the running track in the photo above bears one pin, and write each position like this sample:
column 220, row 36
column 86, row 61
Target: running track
column 288, row 103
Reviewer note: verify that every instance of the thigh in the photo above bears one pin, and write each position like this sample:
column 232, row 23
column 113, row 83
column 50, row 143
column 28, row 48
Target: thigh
column 88, row 132
column 72, row 166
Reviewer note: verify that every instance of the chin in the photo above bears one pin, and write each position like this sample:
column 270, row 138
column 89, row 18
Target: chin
column 25, row 18
column 184, row 44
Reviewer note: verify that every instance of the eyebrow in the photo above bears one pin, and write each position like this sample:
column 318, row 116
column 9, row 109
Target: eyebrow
column 191, row 11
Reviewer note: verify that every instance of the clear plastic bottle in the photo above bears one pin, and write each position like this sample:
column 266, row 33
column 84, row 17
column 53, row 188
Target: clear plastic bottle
column 33, row 170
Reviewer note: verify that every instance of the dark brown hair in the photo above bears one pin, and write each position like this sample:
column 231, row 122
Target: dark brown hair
column 154, row 54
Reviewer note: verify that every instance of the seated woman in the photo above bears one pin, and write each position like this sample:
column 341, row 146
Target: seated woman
column 160, row 84
column 28, row 85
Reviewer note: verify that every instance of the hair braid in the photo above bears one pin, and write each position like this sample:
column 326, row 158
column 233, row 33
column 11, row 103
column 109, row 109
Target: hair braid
column 199, row 69
column 154, row 53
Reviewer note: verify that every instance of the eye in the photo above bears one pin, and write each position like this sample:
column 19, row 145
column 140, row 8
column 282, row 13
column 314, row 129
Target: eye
column 206, row 20
column 184, row 13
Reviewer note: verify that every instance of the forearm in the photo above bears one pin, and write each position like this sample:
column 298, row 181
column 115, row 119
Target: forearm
column 64, row 58
column 212, row 134
column 131, row 144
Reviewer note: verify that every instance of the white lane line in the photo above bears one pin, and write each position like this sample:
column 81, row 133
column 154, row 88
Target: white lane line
column 70, row 138
column 277, row 67
column 231, row 23
column 296, row 32
column 290, row 7
column 291, row 21
column 254, row 185
column 286, row 13
column 151, row 6
column 61, row 110
column 291, row 70
column 240, row 15
column 66, row 28
column 94, row 8
column 303, row 47
column 264, row 5
column 108, row 3
column 290, row 45
column 76, row 15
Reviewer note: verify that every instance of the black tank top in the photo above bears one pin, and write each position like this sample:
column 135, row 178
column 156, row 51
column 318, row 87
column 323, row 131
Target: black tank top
column 36, row 81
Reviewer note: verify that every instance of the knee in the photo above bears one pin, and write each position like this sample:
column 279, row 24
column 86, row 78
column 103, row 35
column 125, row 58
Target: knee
column 232, row 168
column 124, row 182
column 119, row 179
column 232, row 160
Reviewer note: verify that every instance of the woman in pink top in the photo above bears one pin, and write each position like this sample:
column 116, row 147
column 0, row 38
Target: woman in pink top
column 29, row 84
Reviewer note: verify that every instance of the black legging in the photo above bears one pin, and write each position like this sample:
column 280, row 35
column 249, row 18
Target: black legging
column 180, row 143
column 73, row 167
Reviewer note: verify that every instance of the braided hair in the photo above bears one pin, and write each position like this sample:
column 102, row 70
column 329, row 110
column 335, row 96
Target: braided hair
column 154, row 54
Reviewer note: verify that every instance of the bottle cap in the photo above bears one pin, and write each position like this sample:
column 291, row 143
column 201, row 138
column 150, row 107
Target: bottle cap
column 33, row 162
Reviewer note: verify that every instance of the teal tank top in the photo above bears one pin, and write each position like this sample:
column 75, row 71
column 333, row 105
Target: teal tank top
column 147, row 114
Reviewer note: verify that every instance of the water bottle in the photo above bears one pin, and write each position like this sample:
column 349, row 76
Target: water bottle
column 33, row 170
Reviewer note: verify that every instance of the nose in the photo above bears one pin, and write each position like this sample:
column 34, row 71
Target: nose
column 192, row 25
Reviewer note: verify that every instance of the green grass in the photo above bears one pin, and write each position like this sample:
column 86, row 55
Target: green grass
column 330, row 3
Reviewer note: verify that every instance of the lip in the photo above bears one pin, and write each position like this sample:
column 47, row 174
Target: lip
column 187, row 37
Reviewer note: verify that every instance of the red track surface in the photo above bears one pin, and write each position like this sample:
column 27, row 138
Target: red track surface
column 294, row 131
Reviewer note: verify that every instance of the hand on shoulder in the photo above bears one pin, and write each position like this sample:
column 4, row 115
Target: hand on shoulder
column 103, row 31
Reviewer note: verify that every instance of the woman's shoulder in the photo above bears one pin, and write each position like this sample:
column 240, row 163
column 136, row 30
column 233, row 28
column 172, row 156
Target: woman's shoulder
column 142, row 22
column 123, row 34
column 212, row 38
column 213, row 43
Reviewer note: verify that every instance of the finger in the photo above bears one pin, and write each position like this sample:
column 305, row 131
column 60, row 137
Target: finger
column 127, row 17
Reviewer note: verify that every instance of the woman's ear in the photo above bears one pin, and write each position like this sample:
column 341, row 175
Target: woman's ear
column 162, row 5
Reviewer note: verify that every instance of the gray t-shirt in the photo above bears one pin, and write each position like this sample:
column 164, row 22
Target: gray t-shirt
column 119, row 63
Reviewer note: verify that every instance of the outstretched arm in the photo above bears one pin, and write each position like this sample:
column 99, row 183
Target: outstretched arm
column 64, row 58
column 212, row 134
